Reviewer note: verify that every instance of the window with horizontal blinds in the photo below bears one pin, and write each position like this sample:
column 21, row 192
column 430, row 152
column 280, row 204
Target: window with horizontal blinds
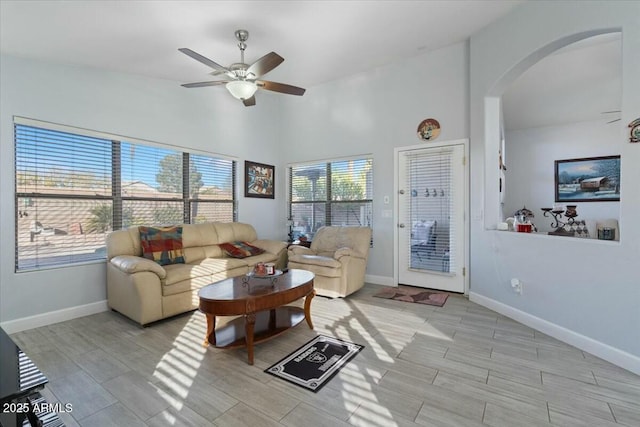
column 336, row 192
column 73, row 189
column 431, row 209
column 151, row 184
column 212, row 189
column 63, row 197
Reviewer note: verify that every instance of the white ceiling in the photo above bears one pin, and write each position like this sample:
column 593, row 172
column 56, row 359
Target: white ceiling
column 320, row 40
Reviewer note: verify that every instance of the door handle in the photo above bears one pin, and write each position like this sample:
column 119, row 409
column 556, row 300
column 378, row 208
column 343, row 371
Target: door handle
column 401, row 225
column 401, row 191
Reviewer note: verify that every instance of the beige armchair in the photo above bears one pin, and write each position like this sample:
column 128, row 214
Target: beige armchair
column 338, row 258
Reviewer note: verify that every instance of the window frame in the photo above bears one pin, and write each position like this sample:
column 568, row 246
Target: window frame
column 328, row 201
column 116, row 198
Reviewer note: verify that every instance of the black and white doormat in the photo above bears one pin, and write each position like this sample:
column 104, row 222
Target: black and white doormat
column 315, row 363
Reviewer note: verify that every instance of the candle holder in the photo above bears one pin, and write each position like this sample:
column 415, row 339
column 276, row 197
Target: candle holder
column 290, row 226
column 557, row 222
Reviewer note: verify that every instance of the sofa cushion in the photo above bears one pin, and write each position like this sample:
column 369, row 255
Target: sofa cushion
column 188, row 277
column 240, row 249
column 179, row 272
column 218, row 265
column 162, row 244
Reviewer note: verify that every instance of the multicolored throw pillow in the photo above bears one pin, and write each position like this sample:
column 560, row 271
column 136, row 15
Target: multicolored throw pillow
column 240, row 249
column 162, row 244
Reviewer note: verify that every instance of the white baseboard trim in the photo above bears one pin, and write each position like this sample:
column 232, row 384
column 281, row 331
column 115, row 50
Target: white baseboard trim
column 30, row 322
column 604, row 351
column 379, row 280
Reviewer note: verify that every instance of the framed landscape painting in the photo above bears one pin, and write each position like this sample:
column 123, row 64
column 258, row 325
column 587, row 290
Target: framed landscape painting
column 259, row 180
column 593, row 179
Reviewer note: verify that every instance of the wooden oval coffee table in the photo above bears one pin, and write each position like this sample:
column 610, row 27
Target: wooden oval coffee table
column 262, row 304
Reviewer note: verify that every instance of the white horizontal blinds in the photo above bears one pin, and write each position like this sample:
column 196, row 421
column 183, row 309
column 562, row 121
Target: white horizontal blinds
column 308, row 198
column 351, row 192
column 151, row 185
column 63, row 197
column 338, row 192
column 52, row 162
column 211, row 189
column 74, row 188
column 431, row 209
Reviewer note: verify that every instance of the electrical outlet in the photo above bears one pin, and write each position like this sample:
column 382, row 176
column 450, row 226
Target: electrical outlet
column 517, row 286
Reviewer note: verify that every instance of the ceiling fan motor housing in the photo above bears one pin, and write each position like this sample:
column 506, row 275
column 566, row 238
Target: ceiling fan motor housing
column 239, row 69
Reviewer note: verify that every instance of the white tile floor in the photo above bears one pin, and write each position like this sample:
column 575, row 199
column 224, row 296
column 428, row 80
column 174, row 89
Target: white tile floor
column 459, row 365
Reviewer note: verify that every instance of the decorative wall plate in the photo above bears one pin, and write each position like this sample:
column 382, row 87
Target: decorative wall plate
column 428, row 129
column 634, row 133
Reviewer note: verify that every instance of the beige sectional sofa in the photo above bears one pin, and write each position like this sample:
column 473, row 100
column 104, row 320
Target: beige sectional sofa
column 145, row 291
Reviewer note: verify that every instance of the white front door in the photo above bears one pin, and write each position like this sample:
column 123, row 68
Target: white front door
column 431, row 217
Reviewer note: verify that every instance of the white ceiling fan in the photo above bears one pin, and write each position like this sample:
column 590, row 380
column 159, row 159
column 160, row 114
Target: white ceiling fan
column 243, row 79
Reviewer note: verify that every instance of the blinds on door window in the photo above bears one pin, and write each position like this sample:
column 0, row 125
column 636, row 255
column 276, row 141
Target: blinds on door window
column 430, row 209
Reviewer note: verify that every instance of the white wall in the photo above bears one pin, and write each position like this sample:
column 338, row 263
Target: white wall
column 157, row 110
column 530, row 169
column 586, row 293
column 373, row 112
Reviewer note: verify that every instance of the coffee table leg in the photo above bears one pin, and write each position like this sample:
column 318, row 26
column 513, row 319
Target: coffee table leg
column 307, row 308
column 272, row 319
column 211, row 331
column 250, row 321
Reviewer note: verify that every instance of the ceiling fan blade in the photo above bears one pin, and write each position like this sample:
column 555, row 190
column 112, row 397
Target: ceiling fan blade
column 280, row 87
column 205, row 84
column 249, row 102
column 204, row 60
column 265, row 64
column 217, row 73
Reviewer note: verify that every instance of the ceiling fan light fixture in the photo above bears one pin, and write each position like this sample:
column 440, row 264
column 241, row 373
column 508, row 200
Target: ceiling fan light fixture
column 241, row 89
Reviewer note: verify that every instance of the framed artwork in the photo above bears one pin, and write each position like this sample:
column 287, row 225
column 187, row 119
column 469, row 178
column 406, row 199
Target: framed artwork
column 593, row 179
column 259, row 180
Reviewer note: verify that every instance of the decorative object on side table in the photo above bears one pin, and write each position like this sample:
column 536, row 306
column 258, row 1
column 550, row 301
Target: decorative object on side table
column 522, row 220
column 259, row 180
column 302, row 241
column 290, row 233
column 556, row 212
column 262, row 271
column 606, row 233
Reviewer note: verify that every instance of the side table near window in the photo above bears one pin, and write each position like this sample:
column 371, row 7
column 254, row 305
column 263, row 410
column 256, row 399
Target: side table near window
column 20, row 383
column 305, row 243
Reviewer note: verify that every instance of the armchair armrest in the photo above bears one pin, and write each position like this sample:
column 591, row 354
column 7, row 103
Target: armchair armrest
column 342, row 252
column 300, row 250
column 271, row 246
column 134, row 264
